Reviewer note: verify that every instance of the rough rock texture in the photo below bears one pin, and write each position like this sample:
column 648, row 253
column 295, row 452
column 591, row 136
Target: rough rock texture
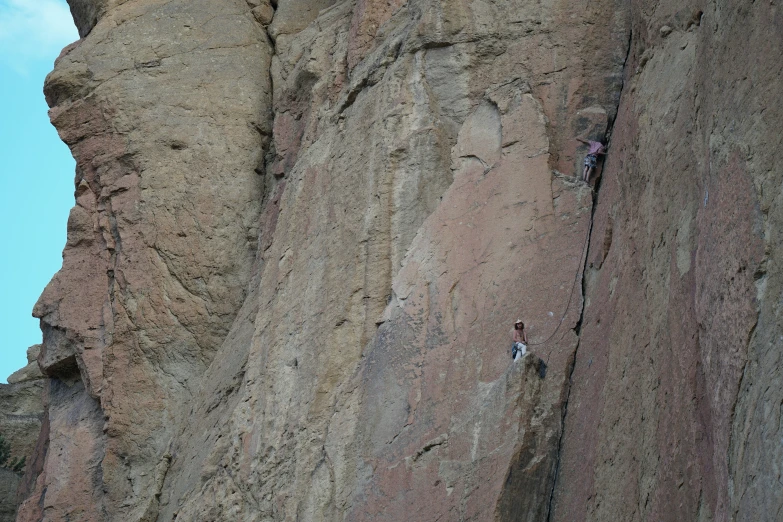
column 413, row 190
column 303, row 229
column 8, row 484
column 675, row 406
column 31, row 371
column 21, row 410
column 164, row 106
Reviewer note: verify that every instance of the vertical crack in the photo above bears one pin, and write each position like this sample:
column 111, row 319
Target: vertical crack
column 572, row 365
column 578, row 326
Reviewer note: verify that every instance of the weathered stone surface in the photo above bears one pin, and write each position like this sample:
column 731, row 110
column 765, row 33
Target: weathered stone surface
column 441, row 362
column 86, row 13
column 165, row 106
column 21, row 410
column 411, row 189
column 31, row 371
column 291, row 269
column 8, row 483
column 676, row 389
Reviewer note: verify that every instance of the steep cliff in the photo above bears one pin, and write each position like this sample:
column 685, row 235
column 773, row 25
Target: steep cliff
column 303, row 230
column 164, row 106
column 21, row 412
column 676, row 395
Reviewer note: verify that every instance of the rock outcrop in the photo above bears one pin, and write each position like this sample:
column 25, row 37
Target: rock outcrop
column 304, row 228
column 164, row 105
column 21, row 411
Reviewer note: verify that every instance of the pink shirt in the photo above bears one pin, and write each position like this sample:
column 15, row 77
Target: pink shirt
column 596, row 147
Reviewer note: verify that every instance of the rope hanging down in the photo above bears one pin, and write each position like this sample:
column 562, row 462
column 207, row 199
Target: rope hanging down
column 576, row 279
column 582, row 258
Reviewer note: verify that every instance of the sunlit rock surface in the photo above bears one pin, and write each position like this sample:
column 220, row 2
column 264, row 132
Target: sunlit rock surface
column 304, row 228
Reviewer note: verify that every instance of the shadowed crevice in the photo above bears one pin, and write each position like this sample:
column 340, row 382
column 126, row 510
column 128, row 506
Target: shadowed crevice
column 578, row 327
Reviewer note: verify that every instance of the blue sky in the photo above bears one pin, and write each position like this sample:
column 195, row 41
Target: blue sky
column 36, row 169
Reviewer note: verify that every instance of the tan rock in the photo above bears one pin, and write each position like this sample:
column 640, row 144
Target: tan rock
column 291, row 16
column 291, row 270
column 31, row 371
column 165, row 106
column 263, row 13
column 414, row 191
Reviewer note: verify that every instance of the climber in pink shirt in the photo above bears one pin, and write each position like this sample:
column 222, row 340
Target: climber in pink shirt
column 596, row 148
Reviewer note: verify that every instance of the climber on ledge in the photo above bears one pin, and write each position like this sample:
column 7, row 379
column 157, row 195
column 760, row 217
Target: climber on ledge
column 596, row 148
column 518, row 340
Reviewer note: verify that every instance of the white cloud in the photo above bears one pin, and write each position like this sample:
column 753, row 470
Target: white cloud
column 34, row 30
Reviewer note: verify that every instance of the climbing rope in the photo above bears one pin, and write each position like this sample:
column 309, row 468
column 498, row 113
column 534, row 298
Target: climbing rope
column 576, row 278
column 582, row 257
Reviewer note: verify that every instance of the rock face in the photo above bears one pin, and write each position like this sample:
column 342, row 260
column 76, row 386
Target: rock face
column 21, row 411
column 164, row 106
column 675, row 394
column 8, row 484
column 303, row 230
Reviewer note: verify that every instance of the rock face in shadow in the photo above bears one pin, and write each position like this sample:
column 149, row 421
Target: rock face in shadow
column 21, row 411
column 8, row 484
column 303, row 230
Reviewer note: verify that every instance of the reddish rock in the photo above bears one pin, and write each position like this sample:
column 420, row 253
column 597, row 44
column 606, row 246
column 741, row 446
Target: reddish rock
column 420, row 197
column 438, row 374
column 661, row 405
